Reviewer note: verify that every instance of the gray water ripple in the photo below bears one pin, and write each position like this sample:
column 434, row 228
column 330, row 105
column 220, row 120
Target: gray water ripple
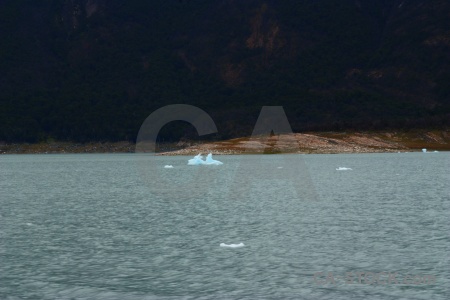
column 92, row 227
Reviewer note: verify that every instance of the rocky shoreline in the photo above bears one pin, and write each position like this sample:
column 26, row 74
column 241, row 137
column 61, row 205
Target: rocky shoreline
column 316, row 142
column 326, row 143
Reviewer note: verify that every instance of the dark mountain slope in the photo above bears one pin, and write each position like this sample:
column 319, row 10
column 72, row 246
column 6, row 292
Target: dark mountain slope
column 94, row 69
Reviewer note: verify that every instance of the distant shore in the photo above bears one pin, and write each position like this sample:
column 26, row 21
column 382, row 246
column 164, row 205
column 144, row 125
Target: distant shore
column 67, row 147
column 313, row 142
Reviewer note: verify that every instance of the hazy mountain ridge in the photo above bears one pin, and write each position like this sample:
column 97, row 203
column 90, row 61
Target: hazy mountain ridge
column 94, row 69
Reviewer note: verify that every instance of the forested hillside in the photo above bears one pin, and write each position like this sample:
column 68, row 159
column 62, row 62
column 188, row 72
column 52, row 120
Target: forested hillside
column 93, row 70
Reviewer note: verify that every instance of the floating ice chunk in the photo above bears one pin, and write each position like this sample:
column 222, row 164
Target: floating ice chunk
column 343, row 169
column 232, row 245
column 29, row 224
column 168, row 167
column 211, row 161
column 424, row 150
column 436, row 151
column 198, row 160
column 279, row 167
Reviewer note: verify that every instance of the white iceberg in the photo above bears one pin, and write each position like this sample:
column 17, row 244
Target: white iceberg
column 211, row 161
column 232, row 245
column 424, row 150
column 343, row 169
column 198, row 160
column 168, row 167
column 436, row 151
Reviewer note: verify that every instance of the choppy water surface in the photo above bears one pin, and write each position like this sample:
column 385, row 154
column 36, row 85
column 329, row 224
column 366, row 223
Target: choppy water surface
column 123, row 227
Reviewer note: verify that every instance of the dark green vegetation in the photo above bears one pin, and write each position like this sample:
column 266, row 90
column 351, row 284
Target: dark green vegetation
column 86, row 70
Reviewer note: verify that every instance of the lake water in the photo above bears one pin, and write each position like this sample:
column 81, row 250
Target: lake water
column 120, row 226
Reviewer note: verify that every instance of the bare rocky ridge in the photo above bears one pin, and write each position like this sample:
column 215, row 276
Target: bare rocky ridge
column 326, row 142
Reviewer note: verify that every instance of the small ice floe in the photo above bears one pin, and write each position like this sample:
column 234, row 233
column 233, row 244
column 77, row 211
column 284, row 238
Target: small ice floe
column 232, row 245
column 211, row 161
column 436, row 151
column 343, row 169
column 168, row 167
column 424, row 150
column 29, row 224
column 198, row 160
column 279, row 167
